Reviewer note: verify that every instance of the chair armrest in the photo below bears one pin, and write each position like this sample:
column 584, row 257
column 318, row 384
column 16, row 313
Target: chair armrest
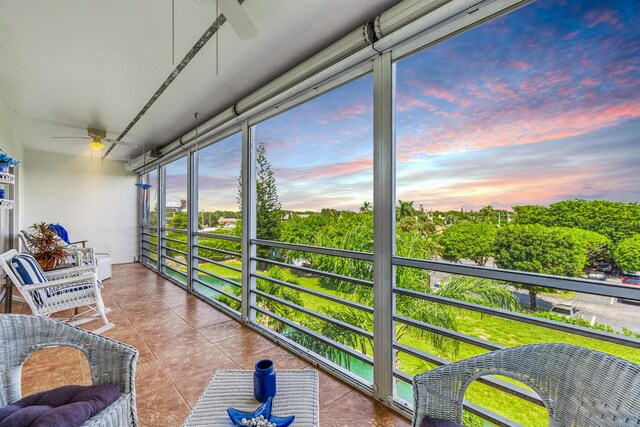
column 64, row 273
column 82, row 242
column 61, row 282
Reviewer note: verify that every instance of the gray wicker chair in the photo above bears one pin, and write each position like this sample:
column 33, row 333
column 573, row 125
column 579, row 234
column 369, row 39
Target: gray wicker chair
column 110, row 362
column 579, row 387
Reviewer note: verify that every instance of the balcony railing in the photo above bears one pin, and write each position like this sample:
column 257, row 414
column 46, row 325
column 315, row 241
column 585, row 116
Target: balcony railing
column 314, row 328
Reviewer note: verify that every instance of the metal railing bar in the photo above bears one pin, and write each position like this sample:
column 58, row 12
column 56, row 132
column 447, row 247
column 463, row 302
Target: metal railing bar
column 338, row 300
column 152, row 227
column 523, row 318
column 221, row 292
column 512, row 389
column 174, row 240
column 218, row 236
column 149, row 258
column 174, row 230
column 222, row 251
column 363, row 256
column 215, row 276
column 143, row 240
column 362, row 357
column 166, row 248
column 546, row 280
column 149, row 250
column 144, row 233
column 177, row 271
column 165, row 256
column 448, row 333
column 318, row 272
column 323, row 317
column 221, row 264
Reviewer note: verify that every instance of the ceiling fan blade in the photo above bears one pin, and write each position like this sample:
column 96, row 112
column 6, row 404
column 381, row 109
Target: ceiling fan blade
column 238, row 18
column 70, row 137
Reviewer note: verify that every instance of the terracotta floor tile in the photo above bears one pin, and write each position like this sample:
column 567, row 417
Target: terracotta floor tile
column 164, row 407
column 244, row 345
column 331, row 389
column 223, row 330
column 355, row 409
column 190, row 355
column 50, row 368
column 192, row 388
column 200, row 315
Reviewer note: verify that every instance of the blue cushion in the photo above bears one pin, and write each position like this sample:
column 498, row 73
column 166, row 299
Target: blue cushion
column 61, row 232
column 68, row 406
column 28, row 269
column 30, row 273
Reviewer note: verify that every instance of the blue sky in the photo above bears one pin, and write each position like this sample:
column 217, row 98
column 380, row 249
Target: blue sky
column 540, row 105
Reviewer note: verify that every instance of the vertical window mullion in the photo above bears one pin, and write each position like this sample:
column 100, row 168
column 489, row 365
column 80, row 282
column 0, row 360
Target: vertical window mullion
column 248, row 223
column 384, row 228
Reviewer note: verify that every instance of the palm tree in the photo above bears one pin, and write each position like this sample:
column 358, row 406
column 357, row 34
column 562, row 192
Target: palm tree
column 404, row 209
column 281, row 292
column 365, row 208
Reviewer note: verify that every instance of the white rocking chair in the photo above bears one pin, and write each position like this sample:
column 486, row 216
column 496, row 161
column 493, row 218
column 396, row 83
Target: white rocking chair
column 64, row 289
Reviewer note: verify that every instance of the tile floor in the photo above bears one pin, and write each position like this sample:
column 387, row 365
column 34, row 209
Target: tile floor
column 182, row 341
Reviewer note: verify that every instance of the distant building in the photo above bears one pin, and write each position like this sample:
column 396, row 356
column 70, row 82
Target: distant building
column 227, row 222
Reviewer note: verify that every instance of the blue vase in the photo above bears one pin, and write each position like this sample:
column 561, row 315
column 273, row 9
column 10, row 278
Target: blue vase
column 264, row 381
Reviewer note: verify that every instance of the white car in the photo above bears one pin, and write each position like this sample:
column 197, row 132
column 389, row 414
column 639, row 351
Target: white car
column 566, row 310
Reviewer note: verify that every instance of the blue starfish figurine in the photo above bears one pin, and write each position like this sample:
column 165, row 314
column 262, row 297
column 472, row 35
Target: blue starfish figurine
column 264, row 410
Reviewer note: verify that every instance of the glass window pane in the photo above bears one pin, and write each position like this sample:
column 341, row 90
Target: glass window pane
column 176, row 194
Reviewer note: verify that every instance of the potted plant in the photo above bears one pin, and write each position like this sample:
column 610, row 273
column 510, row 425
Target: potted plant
column 46, row 246
column 6, row 161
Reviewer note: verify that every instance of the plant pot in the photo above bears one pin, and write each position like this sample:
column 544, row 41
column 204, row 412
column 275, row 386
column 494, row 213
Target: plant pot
column 48, row 264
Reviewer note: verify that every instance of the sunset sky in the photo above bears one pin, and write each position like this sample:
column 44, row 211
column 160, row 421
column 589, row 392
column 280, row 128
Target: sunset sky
column 540, row 105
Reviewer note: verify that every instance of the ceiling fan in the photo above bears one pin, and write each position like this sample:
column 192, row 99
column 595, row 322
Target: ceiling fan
column 97, row 136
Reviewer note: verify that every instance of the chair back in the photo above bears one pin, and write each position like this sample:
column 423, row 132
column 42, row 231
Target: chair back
column 7, row 267
column 578, row 386
column 26, row 246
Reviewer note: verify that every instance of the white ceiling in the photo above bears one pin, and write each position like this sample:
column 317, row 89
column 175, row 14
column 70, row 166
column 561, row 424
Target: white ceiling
column 69, row 64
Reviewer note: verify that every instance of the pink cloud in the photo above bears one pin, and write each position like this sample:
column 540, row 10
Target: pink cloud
column 439, row 93
column 408, row 102
column 519, row 126
column 602, row 16
column 323, row 171
column 590, row 81
column 351, row 110
column 571, row 35
column 521, row 65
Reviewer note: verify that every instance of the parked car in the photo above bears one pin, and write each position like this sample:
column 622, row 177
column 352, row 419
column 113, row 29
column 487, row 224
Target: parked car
column 605, row 267
column 631, row 273
column 566, row 310
column 597, row 275
column 634, row 281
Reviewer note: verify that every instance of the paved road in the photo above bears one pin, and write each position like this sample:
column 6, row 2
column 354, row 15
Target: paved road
column 595, row 308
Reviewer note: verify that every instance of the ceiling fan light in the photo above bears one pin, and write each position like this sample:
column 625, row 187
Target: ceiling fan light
column 96, row 144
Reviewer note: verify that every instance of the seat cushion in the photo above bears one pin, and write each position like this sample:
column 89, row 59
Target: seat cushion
column 68, row 406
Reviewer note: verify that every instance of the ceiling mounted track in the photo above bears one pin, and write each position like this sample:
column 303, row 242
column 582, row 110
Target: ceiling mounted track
column 213, row 29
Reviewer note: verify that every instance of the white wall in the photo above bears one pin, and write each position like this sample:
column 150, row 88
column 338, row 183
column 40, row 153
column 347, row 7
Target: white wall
column 93, row 202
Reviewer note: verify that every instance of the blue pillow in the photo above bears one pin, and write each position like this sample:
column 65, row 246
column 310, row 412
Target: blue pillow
column 30, row 273
column 28, row 269
column 68, row 406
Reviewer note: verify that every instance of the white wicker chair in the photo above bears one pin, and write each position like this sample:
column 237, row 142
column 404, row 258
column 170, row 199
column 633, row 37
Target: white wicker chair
column 67, row 288
column 110, row 362
column 579, row 386
column 74, row 250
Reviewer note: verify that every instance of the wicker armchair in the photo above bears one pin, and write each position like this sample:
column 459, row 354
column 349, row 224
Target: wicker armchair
column 67, row 288
column 579, row 387
column 111, row 362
